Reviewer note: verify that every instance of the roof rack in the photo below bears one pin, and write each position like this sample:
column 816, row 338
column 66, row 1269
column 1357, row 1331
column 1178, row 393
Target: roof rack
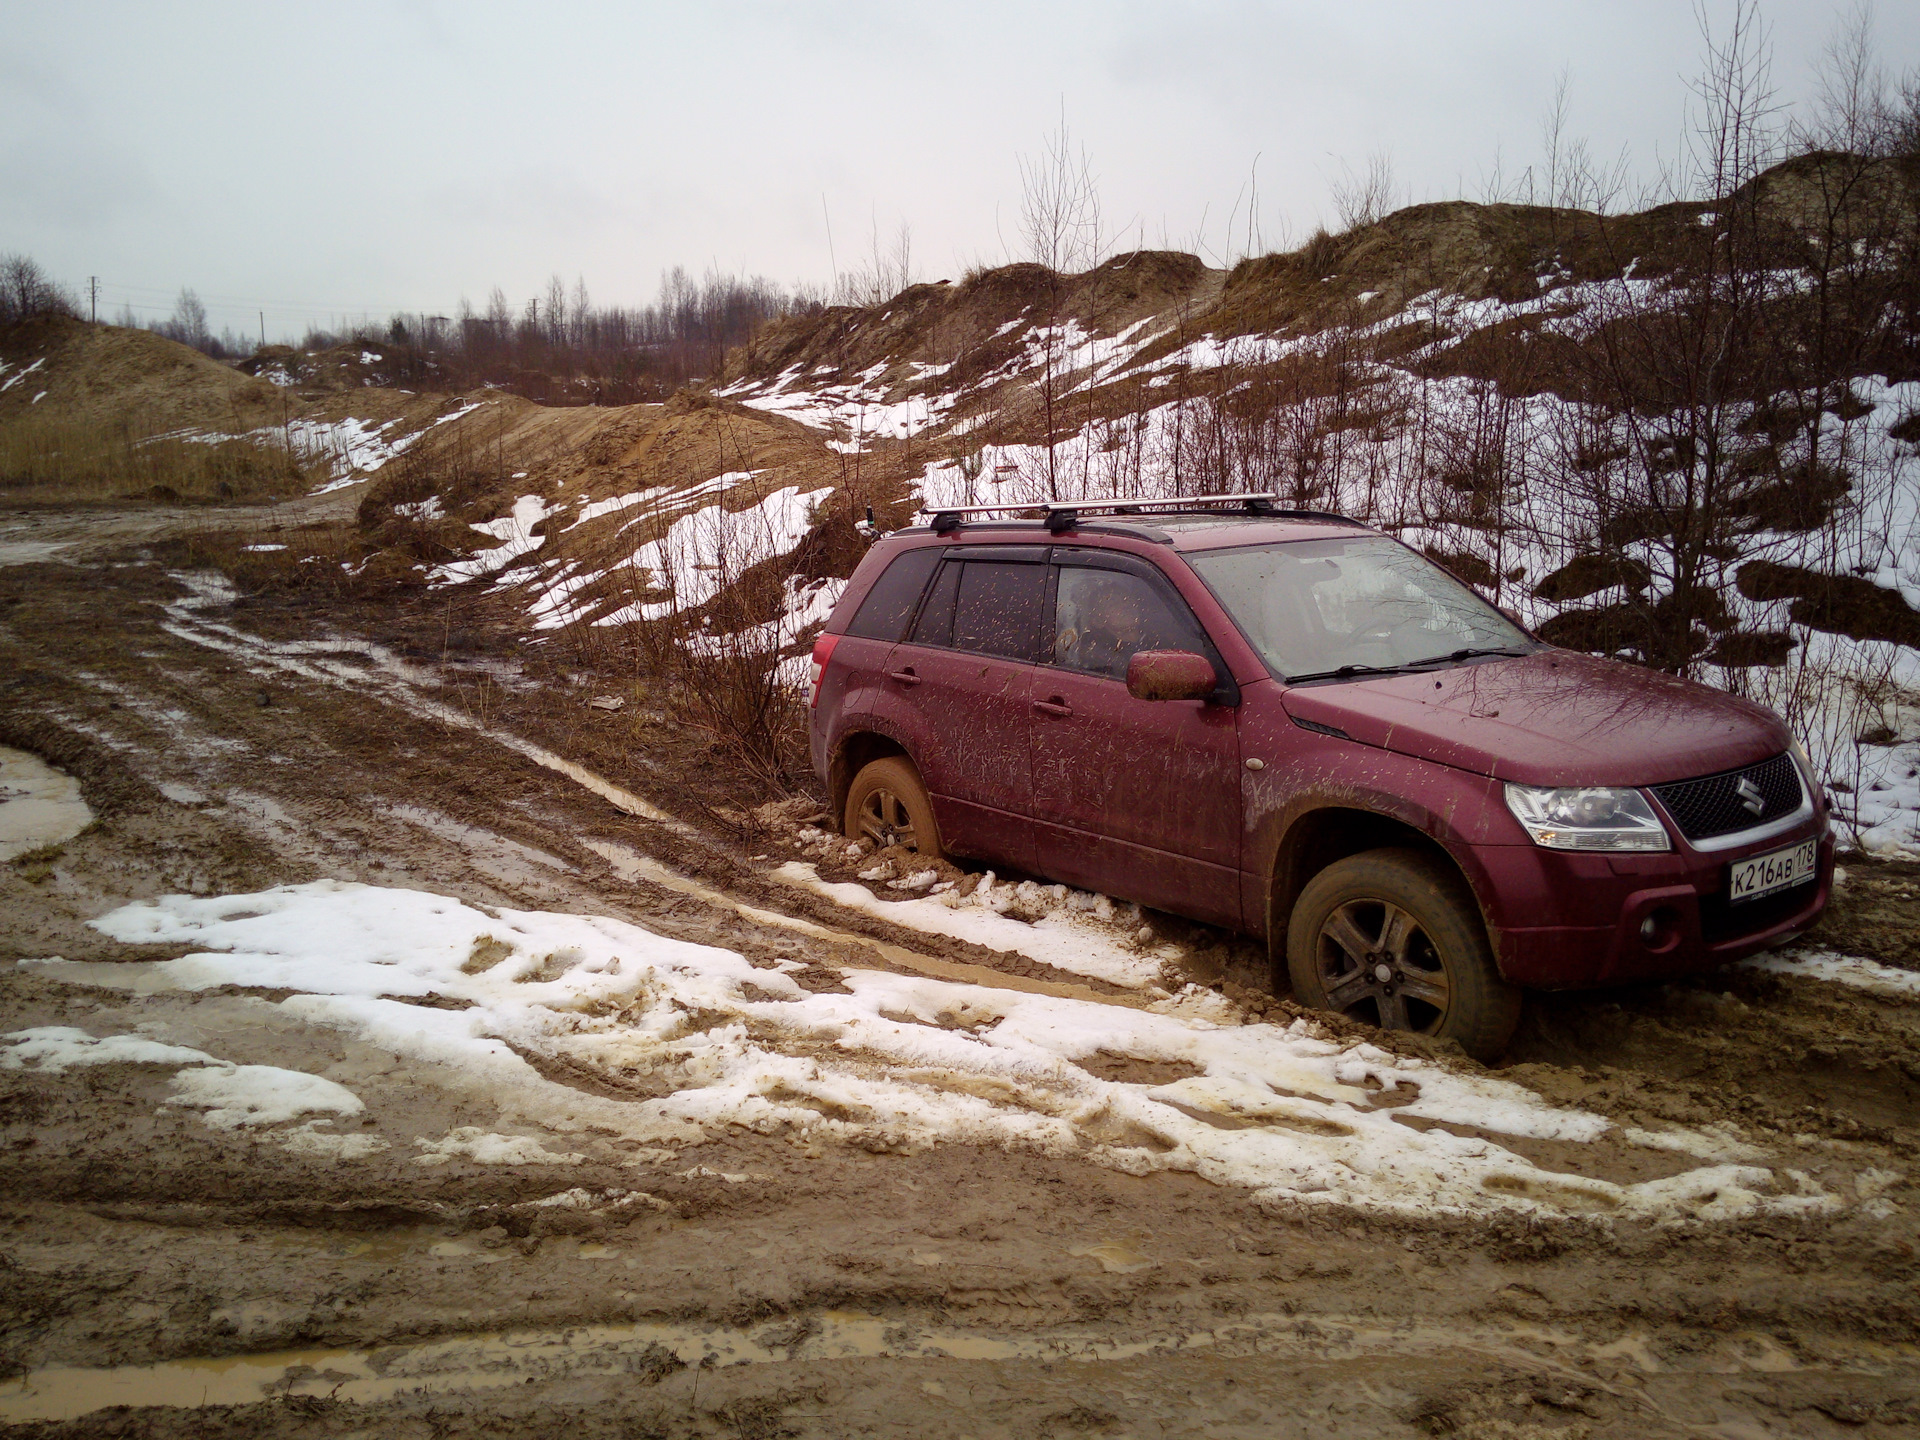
column 1064, row 514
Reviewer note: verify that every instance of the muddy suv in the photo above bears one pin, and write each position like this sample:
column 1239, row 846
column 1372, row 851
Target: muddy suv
column 1292, row 725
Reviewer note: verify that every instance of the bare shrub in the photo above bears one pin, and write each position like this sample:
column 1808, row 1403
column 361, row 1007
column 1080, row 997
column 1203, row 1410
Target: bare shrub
column 715, row 612
column 1366, row 197
column 1838, row 699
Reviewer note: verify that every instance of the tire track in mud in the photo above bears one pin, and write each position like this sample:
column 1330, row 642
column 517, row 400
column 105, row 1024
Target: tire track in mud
column 305, row 660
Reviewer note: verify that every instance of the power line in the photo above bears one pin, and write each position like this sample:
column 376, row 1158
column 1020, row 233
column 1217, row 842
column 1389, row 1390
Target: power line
column 250, row 300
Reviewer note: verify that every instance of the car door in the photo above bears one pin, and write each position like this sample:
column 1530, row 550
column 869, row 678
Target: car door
column 1138, row 798
column 965, row 674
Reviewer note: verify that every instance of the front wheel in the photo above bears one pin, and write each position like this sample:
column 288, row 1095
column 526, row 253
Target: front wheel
column 1389, row 938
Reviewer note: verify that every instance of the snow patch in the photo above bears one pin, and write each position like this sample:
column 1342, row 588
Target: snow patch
column 237, row 1095
column 1842, row 970
column 1068, row 937
column 898, row 1061
column 703, row 552
column 423, row 510
column 470, row 1142
column 56, row 1049
column 14, row 380
column 515, row 532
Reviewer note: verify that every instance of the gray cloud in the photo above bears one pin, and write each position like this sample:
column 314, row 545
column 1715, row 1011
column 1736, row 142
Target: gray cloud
column 387, row 155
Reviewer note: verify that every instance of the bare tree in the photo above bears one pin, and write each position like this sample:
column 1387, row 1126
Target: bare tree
column 26, row 289
column 1060, row 226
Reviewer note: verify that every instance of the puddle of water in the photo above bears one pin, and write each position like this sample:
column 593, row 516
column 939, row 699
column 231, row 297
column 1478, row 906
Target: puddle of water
column 31, row 552
column 39, row 805
column 494, row 1361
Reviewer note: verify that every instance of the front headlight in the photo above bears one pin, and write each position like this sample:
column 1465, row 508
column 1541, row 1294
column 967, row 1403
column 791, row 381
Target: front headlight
column 1587, row 818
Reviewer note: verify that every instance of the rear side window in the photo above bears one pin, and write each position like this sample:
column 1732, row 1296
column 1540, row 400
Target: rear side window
column 936, row 618
column 888, row 608
column 997, row 611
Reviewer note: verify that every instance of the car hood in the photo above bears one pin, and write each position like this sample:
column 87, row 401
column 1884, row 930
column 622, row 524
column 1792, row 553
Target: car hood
column 1555, row 717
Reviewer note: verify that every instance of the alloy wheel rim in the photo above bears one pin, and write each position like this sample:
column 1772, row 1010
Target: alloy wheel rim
column 1379, row 965
column 885, row 820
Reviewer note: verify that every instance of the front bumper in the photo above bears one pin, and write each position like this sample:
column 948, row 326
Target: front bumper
column 1570, row 919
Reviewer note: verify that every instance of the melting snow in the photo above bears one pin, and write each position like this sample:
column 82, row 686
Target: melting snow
column 56, row 1049
column 236, row 1095
column 899, row 1061
column 1076, row 938
column 1844, row 970
column 14, row 380
column 231, row 1095
column 470, row 1142
column 703, row 552
column 804, row 603
column 515, row 532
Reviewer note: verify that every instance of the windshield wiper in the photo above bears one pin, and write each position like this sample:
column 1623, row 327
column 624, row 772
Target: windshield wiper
column 1469, row 654
column 1348, row 672
column 1344, row 672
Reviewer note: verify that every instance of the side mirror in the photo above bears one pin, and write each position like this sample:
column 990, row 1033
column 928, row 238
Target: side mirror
column 1170, row 675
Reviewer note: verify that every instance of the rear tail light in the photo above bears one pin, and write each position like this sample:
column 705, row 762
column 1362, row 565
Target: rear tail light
column 822, row 652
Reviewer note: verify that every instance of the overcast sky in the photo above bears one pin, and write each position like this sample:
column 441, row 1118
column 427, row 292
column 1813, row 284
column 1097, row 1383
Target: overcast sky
column 347, row 160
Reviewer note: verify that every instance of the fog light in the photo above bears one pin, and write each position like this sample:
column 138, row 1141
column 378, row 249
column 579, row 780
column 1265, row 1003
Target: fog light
column 1660, row 931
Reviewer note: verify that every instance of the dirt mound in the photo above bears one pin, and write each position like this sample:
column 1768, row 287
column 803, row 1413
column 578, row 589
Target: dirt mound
column 977, row 327
column 108, row 375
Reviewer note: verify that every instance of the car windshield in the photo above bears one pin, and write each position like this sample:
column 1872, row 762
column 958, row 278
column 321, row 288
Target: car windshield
column 1352, row 605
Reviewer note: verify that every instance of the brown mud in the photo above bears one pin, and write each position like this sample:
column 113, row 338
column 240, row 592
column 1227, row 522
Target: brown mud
column 159, row 1277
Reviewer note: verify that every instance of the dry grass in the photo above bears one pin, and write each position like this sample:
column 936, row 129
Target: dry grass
column 56, row 461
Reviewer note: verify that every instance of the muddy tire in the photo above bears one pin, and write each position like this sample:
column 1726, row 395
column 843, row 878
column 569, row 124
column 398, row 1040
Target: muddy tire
column 1389, row 938
column 888, row 805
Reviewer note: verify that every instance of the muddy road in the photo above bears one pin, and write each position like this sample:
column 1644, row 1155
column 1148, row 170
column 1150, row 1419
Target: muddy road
column 407, row 1048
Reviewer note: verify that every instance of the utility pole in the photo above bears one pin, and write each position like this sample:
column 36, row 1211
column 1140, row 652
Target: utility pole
column 93, row 298
column 263, row 329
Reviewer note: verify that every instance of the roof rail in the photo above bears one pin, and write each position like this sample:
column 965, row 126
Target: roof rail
column 1062, row 514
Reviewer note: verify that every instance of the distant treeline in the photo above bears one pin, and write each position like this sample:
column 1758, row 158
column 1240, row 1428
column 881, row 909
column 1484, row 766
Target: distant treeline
column 557, row 348
column 560, row 348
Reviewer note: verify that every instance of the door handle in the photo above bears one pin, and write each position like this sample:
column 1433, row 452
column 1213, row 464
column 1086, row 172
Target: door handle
column 1055, row 706
column 905, row 677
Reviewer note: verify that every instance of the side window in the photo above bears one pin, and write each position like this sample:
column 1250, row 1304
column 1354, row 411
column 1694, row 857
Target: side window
column 888, row 608
column 1101, row 617
column 997, row 610
column 936, row 617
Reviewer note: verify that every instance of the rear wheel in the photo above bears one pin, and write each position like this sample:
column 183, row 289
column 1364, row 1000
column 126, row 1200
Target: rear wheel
column 888, row 805
column 1389, row 938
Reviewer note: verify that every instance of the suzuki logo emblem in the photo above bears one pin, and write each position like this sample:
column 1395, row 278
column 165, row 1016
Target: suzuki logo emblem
column 1750, row 795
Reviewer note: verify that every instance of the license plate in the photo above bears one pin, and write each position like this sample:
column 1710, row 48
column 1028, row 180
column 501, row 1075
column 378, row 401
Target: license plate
column 1776, row 870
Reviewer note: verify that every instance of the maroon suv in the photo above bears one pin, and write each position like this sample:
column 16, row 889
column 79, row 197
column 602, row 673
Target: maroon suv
column 1294, row 726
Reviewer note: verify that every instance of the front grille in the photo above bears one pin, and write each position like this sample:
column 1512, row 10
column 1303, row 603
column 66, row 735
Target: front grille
column 1713, row 805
